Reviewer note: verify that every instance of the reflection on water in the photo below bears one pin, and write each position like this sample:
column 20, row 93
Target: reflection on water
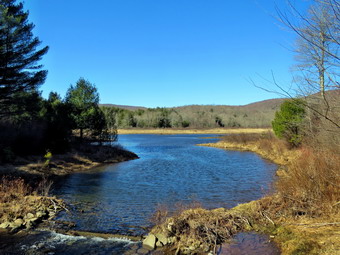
column 249, row 244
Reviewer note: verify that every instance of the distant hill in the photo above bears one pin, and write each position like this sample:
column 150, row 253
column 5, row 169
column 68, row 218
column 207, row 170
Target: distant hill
column 265, row 104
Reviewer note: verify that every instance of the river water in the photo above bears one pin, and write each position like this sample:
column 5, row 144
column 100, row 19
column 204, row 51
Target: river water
column 121, row 198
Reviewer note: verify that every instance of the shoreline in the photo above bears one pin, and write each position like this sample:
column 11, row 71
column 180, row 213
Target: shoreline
column 303, row 234
column 173, row 131
column 72, row 162
column 26, row 183
column 281, row 158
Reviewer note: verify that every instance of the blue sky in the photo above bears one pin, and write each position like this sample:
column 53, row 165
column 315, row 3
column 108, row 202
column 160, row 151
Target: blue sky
column 162, row 53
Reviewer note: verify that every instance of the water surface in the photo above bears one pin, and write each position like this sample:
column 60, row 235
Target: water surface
column 121, row 198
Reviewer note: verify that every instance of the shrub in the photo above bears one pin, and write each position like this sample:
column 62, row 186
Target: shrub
column 288, row 122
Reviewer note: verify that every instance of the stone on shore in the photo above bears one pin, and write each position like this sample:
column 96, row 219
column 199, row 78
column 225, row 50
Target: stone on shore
column 4, row 224
column 162, row 240
column 150, row 242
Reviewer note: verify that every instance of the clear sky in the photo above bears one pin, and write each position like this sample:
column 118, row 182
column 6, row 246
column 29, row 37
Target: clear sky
column 164, row 52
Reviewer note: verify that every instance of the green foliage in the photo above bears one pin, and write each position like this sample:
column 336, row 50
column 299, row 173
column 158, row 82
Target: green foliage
column 110, row 118
column 25, row 107
column 20, row 73
column 185, row 123
column 85, row 113
column 288, row 122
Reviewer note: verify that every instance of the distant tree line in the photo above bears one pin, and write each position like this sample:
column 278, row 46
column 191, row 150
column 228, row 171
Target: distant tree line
column 195, row 116
column 30, row 124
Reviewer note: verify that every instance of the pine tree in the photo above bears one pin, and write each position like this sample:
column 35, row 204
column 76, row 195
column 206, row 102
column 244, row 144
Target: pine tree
column 83, row 98
column 20, row 72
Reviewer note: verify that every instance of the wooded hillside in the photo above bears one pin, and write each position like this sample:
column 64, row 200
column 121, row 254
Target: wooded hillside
column 255, row 115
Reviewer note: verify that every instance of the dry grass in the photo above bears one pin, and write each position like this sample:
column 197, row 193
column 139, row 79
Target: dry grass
column 11, row 189
column 17, row 198
column 173, row 131
column 265, row 144
column 311, row 185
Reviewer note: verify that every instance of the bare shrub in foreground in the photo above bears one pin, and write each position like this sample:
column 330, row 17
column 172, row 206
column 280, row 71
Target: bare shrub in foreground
column 312, row 184
column 11, row 189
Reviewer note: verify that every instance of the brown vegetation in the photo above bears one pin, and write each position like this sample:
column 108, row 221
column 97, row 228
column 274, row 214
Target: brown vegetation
column 22, row 206
column 263, row 143
column 312, row 184
column 200, row 230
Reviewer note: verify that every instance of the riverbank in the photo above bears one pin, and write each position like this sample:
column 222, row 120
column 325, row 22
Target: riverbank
column 268, row 148
column 173, row 131
column 302, row 215
column 25, row 183
column 80, row 158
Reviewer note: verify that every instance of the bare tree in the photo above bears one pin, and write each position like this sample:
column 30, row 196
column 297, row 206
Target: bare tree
column 317, row 70
column 317, row 46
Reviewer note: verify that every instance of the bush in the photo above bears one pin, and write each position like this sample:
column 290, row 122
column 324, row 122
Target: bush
column 288, row 122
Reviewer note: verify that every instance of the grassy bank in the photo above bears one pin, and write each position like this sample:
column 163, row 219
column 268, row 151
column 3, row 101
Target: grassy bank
column 263, row 143
column 302, row 215
column 173, row 131
column 80, row 158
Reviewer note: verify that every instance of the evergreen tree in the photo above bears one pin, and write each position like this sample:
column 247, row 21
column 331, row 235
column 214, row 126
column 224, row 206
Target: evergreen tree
column 288, row 122
column 85, row 113
column 20, row 72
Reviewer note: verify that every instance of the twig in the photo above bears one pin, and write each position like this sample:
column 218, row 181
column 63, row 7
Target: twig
column 337, row 203
column 270, row 220
column 54, row 205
